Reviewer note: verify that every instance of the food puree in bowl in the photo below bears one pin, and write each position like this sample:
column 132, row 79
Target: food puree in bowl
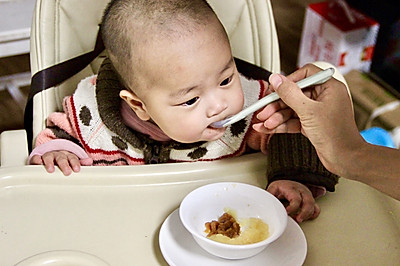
column 252, row 230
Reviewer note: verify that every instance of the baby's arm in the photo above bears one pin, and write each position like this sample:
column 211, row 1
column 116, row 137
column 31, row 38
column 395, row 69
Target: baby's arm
column 290, row 165
column 292, row 158
column 58, row 145
column 297, row 198
column 292, row 162
column 67, row 155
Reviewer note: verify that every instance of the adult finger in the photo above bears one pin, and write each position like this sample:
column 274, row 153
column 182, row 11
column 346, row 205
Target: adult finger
column 270, row 109
column 278, row 118
column 289, row 92
column 290, row 126
column 303, row 72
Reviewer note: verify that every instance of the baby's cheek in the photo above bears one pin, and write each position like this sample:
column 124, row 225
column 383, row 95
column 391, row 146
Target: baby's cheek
column 187, row 132
column 239, row 102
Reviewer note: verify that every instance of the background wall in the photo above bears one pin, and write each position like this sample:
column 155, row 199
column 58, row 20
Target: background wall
column 289, row 16
column 11, row 114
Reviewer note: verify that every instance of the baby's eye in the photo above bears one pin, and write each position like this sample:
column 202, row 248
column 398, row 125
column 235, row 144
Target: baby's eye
column 226, row 81
column 191, row 101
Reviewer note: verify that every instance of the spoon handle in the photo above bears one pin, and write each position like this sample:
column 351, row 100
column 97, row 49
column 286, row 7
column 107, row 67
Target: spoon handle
column 315, row 79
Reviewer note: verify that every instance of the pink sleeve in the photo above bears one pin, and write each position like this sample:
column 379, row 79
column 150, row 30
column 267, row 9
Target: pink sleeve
column 64, row 145
column 56, row 119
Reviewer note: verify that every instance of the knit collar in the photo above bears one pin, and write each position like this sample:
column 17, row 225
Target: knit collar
column 130, row 119
column 109, row 104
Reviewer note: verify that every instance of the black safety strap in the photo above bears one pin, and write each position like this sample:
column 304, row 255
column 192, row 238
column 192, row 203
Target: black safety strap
column 55, row 75
column 251, row 71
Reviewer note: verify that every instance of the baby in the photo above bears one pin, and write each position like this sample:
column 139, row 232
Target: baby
column 171, row 74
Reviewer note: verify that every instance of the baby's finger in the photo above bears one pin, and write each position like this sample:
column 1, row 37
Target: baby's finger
column 274, row 190
column 36, row 160
column 74, row 162
column 48, row 161
column 317, row 211
column 63, row 164
column 307, row 208
column 294, row 204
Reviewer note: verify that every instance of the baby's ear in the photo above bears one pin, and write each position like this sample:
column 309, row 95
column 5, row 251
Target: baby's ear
column 136, row 104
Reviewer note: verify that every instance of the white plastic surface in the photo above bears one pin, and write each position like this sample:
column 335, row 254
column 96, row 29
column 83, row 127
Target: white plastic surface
column 63, row 258
column 115, row 213
column 13, row 148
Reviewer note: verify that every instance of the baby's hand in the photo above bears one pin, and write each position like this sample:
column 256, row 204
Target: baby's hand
column 66, row 161
column 301, row 204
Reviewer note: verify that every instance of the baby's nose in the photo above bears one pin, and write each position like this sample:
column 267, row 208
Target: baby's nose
column 216, row 107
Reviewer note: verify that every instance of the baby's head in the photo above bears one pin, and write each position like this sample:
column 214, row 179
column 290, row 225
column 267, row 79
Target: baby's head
column 175, row 60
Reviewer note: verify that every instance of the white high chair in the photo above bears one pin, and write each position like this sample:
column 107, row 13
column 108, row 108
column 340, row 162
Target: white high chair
column 112, row 215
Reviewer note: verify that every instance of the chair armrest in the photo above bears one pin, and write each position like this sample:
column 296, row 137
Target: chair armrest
column 13, row 148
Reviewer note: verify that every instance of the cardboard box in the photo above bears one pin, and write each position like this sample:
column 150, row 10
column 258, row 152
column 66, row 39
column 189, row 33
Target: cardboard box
column 330, row 35
column 368, row 97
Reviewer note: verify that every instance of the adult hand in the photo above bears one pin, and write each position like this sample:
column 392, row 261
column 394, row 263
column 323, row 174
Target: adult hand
column 323, row 113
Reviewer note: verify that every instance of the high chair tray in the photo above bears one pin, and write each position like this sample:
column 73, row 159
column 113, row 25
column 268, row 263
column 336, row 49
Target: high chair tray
column 113, row 215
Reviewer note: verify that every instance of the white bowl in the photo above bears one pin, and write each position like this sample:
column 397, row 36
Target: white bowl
column 208, row 202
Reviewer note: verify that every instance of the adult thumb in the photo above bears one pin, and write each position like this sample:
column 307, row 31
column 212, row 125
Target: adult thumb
column 289, row 92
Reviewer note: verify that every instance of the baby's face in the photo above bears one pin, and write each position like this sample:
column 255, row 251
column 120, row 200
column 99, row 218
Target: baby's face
column 190, row 83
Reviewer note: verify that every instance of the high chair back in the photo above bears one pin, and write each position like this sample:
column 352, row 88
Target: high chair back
column 65, row 29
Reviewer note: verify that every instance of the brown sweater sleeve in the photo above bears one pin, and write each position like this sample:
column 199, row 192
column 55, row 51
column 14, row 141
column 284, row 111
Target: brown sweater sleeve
column 292, row 157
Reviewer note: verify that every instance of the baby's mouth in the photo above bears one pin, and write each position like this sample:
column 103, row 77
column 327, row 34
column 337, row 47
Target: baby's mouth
column 220, row 123
column 216, row 128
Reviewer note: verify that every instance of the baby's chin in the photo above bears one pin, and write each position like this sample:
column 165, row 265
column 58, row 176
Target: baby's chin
column 212, row 133
column 209, row 134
